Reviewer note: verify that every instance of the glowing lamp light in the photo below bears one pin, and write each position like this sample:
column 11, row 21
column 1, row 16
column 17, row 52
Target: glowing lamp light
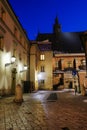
column 13, row 58
column 41, row 76
column 25, row 67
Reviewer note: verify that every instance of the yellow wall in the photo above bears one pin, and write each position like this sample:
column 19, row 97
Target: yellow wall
column 11, row 42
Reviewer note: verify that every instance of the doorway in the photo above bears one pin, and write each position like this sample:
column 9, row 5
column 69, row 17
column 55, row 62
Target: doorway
column 70, row 84
column 13, row 85
column 41, row 84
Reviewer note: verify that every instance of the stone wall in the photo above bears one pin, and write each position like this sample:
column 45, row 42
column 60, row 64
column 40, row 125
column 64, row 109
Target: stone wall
column 82, row 75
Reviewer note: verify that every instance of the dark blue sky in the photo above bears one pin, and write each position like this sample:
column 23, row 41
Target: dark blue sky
column 39, row 15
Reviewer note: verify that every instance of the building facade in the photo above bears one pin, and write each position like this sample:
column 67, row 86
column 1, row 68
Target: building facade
column 53, row 59
column 14, row 50
column 66, row 68
column 41, row 65
column 50, row 70
column 68, row 57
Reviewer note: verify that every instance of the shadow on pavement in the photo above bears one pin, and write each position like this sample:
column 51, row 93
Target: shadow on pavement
column 52, row 97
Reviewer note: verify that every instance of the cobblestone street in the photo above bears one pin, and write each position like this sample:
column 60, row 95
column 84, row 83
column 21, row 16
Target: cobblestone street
column 67, row 112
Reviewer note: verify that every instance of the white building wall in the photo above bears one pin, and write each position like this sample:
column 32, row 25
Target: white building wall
column 9, row 80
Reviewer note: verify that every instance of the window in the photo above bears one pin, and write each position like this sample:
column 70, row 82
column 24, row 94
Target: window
column 20, row 56
column 3, row 14
column 15, row 31
column 15, row 44
column 42, row 57
column 83, row 62
column 42, row 69
column 42, row 82
column 69, row 63
column 1, row 42
column 14, row 52
column 24, row 43
column 26, row 46
column 20, row 38
column 57, row 64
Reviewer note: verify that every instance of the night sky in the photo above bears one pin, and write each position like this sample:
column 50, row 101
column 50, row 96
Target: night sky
column 39, row 15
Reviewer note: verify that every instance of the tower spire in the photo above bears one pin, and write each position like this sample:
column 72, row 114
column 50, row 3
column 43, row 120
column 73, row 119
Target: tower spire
column 56, row 26
column 56, row 20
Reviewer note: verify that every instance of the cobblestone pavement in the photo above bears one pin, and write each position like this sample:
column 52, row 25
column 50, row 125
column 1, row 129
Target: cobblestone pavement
column 68, row 112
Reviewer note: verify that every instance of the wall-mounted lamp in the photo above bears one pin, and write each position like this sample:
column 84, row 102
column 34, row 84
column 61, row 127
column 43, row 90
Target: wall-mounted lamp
column 13, row 58
column 25, row 68
column 41, row 76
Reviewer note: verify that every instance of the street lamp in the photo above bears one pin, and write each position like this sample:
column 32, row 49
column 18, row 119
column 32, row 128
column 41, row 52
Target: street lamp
column 24, row 68
column 13, row 58
column 84, row 44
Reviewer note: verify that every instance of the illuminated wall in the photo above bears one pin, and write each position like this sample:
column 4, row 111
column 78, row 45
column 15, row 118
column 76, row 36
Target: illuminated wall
column 45, row 71
column 73, row 60
column 34, row 59
column 40, row 67
column 13, row 42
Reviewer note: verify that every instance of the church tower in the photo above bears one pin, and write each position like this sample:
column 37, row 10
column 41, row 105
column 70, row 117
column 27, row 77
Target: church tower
column 56, row 33
column 56, row 27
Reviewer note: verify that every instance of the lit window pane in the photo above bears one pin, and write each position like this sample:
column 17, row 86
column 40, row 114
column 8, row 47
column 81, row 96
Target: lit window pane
column 42, row 57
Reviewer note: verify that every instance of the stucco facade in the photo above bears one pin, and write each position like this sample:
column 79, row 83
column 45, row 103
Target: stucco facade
column 34, row 58
column 13, row 42
column 50, row 70
column 45, row 76
column 45, row 67
column 41, row 67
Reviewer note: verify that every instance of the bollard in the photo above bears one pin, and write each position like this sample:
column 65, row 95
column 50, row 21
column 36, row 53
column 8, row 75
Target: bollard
column 18, row 94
